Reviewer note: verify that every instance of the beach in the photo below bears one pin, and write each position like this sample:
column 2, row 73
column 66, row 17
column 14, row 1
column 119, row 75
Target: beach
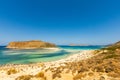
column 77, row 64
column 59, row 40
column 45, row 67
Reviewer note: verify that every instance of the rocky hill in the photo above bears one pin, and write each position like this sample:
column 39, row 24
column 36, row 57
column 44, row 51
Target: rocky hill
column 30, row 44
column 114, row 46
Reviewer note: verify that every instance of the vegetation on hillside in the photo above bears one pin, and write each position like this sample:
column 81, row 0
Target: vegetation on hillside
column 106, row 62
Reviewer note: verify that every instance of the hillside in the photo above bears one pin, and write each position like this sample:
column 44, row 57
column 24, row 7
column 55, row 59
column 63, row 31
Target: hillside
column 104, row 66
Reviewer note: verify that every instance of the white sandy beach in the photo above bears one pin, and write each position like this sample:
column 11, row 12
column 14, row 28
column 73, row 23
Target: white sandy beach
column 33, row 69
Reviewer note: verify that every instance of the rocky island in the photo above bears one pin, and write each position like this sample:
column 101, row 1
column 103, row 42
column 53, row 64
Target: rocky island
column 34, row 44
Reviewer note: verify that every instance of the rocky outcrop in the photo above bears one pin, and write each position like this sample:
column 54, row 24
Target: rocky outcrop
column 34, row 44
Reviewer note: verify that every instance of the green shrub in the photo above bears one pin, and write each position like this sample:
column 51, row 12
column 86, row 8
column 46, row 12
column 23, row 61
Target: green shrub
column 111, row 56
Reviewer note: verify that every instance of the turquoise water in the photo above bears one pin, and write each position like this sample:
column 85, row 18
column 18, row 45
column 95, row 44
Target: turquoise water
column 13, row 56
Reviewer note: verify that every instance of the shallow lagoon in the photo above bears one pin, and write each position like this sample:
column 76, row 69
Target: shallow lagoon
column 8, row 56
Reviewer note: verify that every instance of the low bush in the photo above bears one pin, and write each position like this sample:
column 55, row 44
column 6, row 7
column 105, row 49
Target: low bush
column 11, row 71
column 24, row 77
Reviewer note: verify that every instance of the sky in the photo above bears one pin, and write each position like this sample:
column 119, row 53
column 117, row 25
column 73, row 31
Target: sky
column 60, row 21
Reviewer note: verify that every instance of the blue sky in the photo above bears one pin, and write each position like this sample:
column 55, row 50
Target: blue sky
column 60, row 21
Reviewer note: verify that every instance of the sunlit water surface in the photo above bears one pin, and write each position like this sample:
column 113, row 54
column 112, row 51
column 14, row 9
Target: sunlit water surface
column 14, row 56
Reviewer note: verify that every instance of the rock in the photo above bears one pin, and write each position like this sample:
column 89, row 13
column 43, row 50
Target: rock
column 34, row 44
column 102, row 78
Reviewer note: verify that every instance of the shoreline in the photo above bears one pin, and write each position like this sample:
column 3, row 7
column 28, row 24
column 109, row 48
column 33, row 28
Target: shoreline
column 35, row 68
column 84, row 54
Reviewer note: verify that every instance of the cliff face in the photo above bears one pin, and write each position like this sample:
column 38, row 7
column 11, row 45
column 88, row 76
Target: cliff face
column 30, row 45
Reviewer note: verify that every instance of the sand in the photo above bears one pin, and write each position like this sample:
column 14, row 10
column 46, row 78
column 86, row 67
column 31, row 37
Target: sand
column 33, row 69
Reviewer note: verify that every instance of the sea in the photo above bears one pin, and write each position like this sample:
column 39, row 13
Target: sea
column 17, row 56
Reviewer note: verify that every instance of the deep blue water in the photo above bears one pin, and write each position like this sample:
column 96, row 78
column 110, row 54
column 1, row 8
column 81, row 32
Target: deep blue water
column 39, row 55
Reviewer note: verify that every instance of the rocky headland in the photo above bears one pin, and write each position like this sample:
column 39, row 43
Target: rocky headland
column 34, row 44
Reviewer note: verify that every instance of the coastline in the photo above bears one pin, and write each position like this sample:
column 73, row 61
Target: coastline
column 33, row 69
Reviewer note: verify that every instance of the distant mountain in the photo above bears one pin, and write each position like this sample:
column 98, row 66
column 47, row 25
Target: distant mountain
column 78, row 45
column 85, row 45
column 30, row 44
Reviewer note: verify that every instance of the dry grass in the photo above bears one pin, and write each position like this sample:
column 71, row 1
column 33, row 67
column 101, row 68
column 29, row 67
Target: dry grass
column 90, row 74
column 107, row 61
column 79, row 76
column 24, row 77
column 12, row 71
column 40, row 74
